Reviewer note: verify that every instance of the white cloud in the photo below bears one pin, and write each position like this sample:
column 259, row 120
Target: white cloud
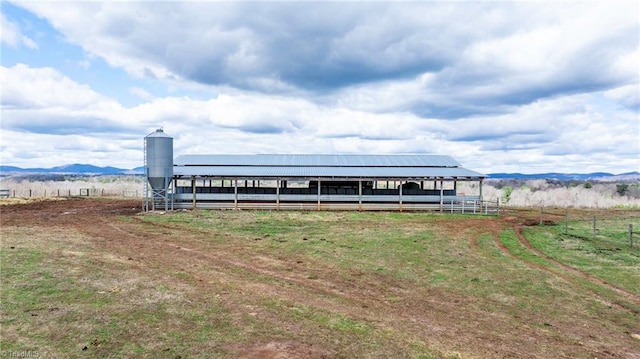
column 49, row 150
column 327, row 46
column 84, row 64
column 500, row 86
column 140, row 93
column 259, row 114
column 11, row 35
column 628, row 95
column 543, row 135
column 24, row 86
column 43, row 100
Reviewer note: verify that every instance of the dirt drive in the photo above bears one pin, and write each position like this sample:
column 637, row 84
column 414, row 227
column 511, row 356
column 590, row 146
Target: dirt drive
column 105, row 280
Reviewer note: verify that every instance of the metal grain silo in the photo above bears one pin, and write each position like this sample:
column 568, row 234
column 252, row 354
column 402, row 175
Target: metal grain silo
column 158, row 155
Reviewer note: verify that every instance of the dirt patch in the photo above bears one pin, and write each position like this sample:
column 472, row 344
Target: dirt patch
column 282, row 350
column 75, row 211
column 26, row 200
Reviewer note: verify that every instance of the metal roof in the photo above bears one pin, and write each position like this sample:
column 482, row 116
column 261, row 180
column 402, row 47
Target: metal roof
column 158, row 133
column 326, row 172
column 274, row 160
column 325, row 166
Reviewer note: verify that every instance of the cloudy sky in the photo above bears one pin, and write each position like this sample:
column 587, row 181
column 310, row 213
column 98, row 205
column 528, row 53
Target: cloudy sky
column 501, row 86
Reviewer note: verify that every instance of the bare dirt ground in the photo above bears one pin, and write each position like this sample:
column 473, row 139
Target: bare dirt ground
column 447, row 323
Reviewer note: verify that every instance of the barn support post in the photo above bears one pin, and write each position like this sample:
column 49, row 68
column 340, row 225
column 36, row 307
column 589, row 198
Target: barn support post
column 441, row 195
column 235, row 193
column 277, row 194
column 400, row 195
column 193, row 191
column 480, row 189
column 360, row 195
column 318, row 193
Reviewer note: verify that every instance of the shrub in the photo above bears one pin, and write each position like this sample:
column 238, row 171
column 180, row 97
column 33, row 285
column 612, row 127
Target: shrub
column 622, row 188
column 506, row 193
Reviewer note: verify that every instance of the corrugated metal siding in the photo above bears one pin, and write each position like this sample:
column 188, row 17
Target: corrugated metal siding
column 318, row 160
column 300, row 172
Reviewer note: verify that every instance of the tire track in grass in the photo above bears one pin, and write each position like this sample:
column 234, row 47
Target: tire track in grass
column 590, row 277
column 363, row 301
column 567, row 273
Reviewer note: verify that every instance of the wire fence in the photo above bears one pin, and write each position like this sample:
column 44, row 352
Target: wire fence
column 617, row 226
column 81, row 192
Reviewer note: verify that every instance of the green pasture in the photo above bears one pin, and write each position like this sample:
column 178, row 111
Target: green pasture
column 62, row 297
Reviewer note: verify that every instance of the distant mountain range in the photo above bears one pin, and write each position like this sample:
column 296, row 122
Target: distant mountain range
column 85, row 169
column 74, row 169
column 603, row 176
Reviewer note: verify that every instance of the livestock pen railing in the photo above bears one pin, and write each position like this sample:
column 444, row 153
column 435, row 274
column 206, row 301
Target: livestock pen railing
column 450, row 204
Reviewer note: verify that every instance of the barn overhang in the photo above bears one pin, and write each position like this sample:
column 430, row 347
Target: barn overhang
column 320, row 182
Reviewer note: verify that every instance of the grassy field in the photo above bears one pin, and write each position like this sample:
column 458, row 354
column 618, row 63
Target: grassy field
column 92, row 278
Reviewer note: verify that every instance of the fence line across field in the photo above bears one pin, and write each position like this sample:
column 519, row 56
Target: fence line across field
column 598, row 224
column 82, row 192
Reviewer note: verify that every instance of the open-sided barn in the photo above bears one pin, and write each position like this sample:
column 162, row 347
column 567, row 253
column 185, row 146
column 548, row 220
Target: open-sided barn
column 309, row 182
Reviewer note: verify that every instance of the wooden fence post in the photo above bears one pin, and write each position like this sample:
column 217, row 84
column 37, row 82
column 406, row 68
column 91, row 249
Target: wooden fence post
column 541, row 215
column 630, row 235
column 566, row 221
